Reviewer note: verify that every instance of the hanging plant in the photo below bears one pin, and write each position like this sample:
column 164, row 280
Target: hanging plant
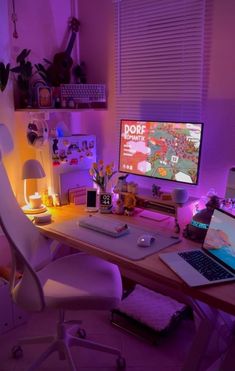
column 4, row 75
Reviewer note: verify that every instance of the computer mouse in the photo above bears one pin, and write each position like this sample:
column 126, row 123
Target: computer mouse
column 145, row 240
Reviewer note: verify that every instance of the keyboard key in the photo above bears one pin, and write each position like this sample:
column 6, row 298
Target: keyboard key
column 84, row 93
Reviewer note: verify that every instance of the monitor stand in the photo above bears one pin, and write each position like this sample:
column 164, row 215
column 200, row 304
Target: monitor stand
column 153, row 215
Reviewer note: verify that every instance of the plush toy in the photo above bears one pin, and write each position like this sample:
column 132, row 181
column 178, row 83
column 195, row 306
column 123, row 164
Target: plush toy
column 129, row 204
column 197, row 229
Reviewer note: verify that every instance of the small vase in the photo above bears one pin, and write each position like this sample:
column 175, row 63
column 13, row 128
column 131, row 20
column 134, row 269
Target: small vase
column 102, row 189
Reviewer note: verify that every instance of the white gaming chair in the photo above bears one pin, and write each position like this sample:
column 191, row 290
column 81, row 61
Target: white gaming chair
column 74, row 282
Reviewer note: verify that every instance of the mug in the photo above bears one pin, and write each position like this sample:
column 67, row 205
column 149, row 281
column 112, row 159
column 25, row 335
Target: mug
column 35, row 201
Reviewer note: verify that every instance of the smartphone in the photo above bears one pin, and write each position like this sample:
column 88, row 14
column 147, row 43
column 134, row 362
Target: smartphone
column 91, row 199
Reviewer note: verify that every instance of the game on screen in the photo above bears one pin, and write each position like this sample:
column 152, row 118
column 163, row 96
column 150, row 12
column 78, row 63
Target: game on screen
column 166, row 150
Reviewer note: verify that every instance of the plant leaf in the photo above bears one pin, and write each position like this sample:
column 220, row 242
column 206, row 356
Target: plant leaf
column 44, row 77
column 47, row 61
column 20, row 56
column 16, row 69
column 24, row 54
column 4, row 75
column 40, row 67
column 27, row 52
column 28, row 69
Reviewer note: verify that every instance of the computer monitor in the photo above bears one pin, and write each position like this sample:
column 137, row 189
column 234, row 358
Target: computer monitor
column 161, row 149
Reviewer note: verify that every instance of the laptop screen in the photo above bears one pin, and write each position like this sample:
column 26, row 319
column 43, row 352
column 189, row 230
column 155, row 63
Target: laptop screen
column 220, row 238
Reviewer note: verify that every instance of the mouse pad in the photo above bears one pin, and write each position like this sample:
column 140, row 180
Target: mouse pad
column 125, row 245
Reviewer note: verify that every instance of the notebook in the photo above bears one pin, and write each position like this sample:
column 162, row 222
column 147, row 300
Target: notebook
column 215, row 261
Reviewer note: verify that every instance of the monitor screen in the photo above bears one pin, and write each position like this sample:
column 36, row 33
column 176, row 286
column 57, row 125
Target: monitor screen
column 163, row 150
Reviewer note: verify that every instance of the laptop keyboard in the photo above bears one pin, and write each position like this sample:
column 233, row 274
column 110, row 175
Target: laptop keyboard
column 206, row 266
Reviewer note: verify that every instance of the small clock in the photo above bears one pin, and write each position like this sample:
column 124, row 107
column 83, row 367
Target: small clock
column 106, row 202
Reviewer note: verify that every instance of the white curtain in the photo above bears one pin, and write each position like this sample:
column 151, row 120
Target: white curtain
column 159, row 59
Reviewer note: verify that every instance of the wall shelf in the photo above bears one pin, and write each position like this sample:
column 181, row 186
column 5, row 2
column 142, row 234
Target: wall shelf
column 54, row 110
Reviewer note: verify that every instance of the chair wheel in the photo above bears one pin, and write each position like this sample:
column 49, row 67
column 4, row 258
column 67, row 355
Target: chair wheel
column 17, row 352
column 81, row 333
column 121, row 363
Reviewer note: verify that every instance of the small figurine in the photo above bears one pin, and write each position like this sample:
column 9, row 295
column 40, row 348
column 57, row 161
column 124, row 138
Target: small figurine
column 121, row 185
column 129, row 204
column 56, row 200
column 132, row 187
column 119, row 209
column 156, row 190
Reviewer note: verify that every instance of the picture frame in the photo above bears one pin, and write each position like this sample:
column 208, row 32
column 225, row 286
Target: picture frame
column 44, row 97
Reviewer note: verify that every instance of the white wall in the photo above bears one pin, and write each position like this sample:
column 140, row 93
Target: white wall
column 6, row 97
column 219, row 138
column 97, row 49
column 41, row 27
column 6, row 112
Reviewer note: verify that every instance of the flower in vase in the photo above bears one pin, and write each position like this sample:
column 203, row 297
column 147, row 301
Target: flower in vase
column 101, row 174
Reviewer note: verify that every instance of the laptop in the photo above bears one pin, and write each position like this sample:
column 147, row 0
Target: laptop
column 215, row 261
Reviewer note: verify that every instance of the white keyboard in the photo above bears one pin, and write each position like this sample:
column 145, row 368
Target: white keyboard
column 103, row 225
column 84, row 93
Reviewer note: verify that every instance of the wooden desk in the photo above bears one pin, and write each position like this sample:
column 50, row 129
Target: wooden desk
column 151, row 271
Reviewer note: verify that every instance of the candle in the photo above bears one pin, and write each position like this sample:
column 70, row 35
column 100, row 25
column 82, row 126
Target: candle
column 35, row 201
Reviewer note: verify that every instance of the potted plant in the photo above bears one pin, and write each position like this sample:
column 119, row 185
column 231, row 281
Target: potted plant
column 43, row 73
column 4, row 75
column 101, row 174
column 24, row 71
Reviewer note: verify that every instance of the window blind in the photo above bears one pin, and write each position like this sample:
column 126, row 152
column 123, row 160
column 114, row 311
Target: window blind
column 159, row 59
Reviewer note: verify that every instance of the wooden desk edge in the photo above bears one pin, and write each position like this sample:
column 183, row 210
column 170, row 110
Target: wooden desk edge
column 147, row 271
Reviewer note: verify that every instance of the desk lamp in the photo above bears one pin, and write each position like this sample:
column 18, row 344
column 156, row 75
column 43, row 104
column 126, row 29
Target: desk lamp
column 32, row 169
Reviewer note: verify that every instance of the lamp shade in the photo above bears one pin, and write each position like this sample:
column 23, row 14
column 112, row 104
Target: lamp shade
column 6, row 143
column 32, row 169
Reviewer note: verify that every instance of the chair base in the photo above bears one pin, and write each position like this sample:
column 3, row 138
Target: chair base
column 62, row 342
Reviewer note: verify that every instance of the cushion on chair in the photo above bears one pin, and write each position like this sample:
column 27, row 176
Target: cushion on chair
column 81, row 281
